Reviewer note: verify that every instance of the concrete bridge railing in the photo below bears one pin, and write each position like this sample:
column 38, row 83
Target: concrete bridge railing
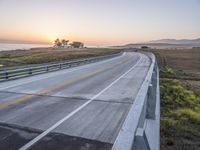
column 141, row 129
column 7, row 74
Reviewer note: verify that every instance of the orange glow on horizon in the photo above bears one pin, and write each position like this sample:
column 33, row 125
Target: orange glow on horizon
column 98, row 22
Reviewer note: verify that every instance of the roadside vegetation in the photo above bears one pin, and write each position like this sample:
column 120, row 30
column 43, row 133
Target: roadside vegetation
column 180, row 116
column 180, row 98
column 49, row 55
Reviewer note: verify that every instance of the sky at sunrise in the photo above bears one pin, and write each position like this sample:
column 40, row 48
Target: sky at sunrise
column 99, row 22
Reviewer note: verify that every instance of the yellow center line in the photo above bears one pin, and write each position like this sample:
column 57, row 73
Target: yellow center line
column 48, row 90
column 55, row 87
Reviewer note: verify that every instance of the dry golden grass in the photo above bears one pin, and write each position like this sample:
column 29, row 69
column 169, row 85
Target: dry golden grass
column 183, row 59
column 46, row 55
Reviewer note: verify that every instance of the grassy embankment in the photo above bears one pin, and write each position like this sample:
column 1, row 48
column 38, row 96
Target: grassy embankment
column 180, row 98
column 47, row 55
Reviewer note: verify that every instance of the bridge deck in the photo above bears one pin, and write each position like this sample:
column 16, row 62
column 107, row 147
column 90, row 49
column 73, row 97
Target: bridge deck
column 31, row 105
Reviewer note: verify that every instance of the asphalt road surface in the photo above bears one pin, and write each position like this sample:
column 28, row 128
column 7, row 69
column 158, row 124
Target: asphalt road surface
column 78, row 108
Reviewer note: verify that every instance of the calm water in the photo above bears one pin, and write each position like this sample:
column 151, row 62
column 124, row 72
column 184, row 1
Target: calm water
column 6, row 46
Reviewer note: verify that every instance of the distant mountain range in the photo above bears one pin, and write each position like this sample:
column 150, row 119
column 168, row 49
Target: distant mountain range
column 166, row 44
column 175, row 41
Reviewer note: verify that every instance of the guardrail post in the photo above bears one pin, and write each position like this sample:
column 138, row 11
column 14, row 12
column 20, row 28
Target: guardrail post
column 30, row 71
column 151, row 102
column 60, row 66
column 6, row 75
column 143, row 114
column 47, row 68
column 141, row 142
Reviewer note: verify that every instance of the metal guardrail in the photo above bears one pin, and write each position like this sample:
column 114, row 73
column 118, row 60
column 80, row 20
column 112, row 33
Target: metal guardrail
column 141, row 129
column 29, row 71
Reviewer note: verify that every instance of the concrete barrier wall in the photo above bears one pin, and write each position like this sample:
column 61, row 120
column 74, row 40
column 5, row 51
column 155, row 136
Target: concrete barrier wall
column 141, row 129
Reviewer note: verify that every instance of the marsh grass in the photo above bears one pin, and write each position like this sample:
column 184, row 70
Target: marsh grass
column 180, row 116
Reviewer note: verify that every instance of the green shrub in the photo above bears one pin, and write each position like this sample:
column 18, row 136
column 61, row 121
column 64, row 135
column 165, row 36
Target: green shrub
column 167, row 72
column 174, row 96
column 186, row 114
column 180, row 116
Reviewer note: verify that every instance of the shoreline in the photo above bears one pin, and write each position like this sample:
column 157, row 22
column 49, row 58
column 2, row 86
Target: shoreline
column 20, row 46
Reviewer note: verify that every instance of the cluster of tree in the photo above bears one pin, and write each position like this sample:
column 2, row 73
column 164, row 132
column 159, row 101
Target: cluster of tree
column 77, row 44
column 64, row 43
column 59, row 43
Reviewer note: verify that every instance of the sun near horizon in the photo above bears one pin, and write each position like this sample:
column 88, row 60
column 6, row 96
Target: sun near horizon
column 99, row 22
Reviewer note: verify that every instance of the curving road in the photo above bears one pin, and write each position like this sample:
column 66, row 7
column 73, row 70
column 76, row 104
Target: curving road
column 78, row 108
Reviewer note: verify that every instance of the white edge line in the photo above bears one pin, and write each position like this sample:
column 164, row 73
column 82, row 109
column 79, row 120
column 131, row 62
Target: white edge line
column 36, row 139
column 53, row 75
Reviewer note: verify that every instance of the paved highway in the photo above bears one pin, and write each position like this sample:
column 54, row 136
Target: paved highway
column 78, row 108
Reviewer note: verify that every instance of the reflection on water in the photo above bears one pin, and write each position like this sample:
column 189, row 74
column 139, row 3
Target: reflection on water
column 8, row 46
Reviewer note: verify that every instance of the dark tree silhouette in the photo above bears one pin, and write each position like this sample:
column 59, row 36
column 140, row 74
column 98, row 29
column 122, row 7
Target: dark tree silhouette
column 57, row 43
column 77, row 44
column 64, row 42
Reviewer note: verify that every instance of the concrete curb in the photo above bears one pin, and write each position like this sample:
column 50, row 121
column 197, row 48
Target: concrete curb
column 141, row 128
